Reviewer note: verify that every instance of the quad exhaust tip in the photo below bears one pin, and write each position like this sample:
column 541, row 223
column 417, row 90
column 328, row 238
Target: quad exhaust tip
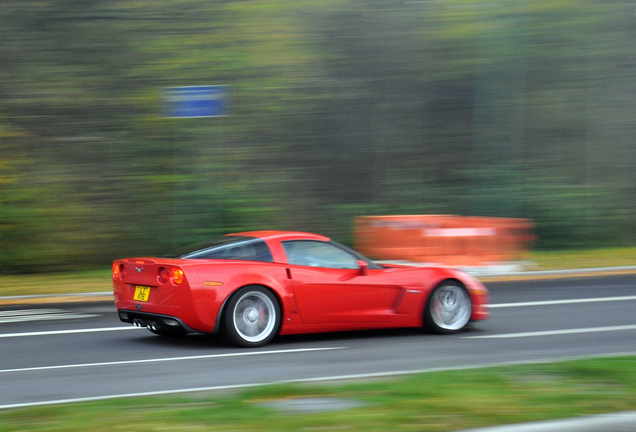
column 155, row 325
column 150, row 325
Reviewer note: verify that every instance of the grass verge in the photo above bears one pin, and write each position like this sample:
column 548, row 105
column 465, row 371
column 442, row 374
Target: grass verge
column 57, row 283
column 440, row 401
column 593, row 258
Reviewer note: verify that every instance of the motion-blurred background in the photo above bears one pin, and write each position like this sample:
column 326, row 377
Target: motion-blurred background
column 335, row 109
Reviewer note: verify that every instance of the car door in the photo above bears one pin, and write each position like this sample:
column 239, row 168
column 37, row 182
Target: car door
column 331, row 288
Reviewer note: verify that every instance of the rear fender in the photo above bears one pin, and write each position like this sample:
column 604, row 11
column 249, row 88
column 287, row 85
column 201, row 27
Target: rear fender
column 219, row 316
column 212, row 289
column 275, row 281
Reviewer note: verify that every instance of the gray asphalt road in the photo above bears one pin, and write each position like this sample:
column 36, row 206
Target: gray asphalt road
column 81, row 351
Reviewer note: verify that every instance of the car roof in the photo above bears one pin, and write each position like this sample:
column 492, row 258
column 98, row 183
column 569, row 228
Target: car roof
column 282, row 235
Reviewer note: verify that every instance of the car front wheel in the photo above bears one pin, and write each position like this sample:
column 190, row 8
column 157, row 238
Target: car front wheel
column 251, row 317
column 448, row 308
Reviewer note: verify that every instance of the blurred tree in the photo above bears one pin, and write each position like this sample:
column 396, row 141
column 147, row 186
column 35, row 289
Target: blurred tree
column 510, row 108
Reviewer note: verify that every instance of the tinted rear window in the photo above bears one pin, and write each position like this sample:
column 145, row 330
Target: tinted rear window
column 228, row 248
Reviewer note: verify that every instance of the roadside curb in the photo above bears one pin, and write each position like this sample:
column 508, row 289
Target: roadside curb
column 617, row 422
column 502, row 273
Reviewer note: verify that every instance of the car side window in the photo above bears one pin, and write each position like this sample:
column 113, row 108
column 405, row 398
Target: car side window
column 245, row 249
column 318, row 254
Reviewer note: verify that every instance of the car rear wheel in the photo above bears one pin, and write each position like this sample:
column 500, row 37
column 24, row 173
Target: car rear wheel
column 448, row 308
column 251, row 317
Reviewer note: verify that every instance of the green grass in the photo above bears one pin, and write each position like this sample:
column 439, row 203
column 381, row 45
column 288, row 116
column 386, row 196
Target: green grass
column 57, row 283
column 440, row 401
column 608, row 257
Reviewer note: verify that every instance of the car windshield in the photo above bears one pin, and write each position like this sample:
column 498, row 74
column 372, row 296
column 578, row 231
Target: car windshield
column 372, row 264
column 228, row 248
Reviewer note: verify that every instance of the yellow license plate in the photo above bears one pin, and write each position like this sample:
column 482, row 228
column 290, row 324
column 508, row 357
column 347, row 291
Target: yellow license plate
column 142, row 293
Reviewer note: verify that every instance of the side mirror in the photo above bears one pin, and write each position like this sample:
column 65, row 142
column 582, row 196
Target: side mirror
column 363, row 266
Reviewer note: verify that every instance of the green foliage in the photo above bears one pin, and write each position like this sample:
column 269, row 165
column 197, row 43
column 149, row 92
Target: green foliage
column 512, row 108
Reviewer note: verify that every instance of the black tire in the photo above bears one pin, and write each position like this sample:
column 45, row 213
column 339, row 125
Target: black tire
column 448, row 308
column 251, row 317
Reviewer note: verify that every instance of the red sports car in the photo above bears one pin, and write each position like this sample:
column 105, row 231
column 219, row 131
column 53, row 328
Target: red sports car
column 251, row 286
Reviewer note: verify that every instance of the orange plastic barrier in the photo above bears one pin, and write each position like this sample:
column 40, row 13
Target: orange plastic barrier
column 445, row 239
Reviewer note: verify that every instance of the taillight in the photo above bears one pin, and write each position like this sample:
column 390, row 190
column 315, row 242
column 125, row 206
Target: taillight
column 163, row 276
column 177, row 276
column 119, row 271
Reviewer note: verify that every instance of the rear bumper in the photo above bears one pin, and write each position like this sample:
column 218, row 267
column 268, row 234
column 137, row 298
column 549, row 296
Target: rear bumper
column 154, row 322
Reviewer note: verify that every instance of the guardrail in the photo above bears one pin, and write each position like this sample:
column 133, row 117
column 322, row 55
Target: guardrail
column 445, row 239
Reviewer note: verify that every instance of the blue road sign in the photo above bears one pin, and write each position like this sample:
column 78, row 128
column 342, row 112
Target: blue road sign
column 197, row 101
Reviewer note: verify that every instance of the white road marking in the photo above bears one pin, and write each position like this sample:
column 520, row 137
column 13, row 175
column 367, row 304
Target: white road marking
column 560, row 302
column 11, row 313
column 60, row 332
column 554, row 332
column 44, row 317
column 39, row 315
column 171, row 359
